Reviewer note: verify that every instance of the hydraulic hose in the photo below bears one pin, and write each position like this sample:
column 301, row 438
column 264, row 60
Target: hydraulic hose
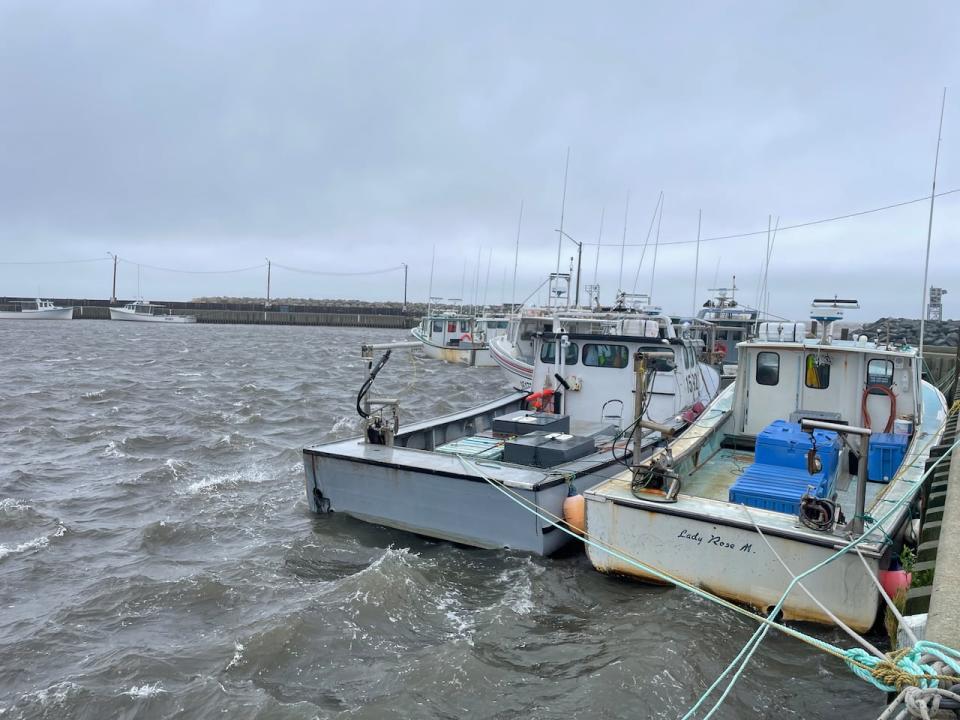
column 365, row 388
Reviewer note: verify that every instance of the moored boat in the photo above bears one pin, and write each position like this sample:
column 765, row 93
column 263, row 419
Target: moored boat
column 37, row 310
column 141, row 311
column 459, row 338
column 816, row 442
column 603, row 394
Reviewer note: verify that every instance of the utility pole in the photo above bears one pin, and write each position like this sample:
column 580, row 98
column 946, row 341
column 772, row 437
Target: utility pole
column 267, row 304
column 404, row 286
column 113, row 295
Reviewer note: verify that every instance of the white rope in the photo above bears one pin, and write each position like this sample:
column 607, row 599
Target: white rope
column 842, row 625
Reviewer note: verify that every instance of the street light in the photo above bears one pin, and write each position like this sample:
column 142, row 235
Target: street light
column 579, row 245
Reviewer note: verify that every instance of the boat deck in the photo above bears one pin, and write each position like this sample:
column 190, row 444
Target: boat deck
column 713, row 479
column 523, row 477
column 704, row 492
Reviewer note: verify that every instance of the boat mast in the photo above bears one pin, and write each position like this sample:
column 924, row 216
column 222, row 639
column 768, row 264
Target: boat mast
column 596, row 260
column 623, row 243
column 933, row 194
column 656, row 246
column 486, row 285
column 563, row 204
column 433, row 257
column 696, row 266
column 516, row 261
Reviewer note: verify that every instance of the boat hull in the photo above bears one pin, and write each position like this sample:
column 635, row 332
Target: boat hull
column 48, row 314
column 734, row 562
column 473, row 356
column 123, row 314
column 516, row 370
column 412, row 487
column 389, row 489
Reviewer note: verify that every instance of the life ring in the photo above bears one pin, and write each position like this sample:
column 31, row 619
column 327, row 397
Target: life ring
column 466, row 336
column 720, row 348
column 536, row 399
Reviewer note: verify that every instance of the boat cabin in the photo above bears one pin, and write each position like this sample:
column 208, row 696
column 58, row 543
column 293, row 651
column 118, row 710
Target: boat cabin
column 847, row 382
column 456, row 329
column 595, row 360
column 146, row 308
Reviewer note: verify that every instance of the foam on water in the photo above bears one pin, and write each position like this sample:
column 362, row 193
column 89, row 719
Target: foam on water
column 142, row 692
column 36, row 543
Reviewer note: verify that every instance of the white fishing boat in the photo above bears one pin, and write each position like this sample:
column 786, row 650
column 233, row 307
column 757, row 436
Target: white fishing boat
column 513, row 350
column 459, row 338
column 37, row 310
column 731, row 324
column 603, row 393
column 141, row 311
column 817, row 441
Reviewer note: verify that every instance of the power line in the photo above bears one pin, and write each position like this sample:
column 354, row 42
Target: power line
column 339, row 274
column 925, row 198
column 194, row 272
column 53, row 262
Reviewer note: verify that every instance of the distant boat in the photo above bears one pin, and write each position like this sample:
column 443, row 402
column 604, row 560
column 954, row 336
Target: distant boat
column 459, row 338
column 141, row 311
column 37, row 310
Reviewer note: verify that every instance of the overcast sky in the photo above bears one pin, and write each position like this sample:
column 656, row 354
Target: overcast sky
column 358, row 136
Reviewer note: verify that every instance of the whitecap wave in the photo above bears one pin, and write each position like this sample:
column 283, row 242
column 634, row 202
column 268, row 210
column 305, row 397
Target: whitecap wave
column 238, row 649
column 226, row 480
column 144, row 691
column 36, row 544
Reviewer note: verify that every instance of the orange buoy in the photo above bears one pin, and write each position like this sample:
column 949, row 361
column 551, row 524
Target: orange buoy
column 574, row 511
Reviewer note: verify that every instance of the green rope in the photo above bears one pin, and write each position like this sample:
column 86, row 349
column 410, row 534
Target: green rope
column 903, row 668
column 851, row 655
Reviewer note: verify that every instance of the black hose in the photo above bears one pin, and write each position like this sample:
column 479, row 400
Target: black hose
column 365, row 388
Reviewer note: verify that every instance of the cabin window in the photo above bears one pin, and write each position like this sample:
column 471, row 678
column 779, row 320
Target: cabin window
column 438, row 326
column 691, row 356
column 614, row 356
column 452, row 326
column 548, row 353
column 768, row 368
column 880, row 372
column 660, row 364
column 817, row 371
column 464, row 326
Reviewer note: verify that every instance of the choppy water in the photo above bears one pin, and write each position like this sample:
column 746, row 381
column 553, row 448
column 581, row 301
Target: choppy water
column 157, row 558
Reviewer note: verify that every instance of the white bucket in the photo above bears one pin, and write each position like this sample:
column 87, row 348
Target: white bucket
column 902, row 426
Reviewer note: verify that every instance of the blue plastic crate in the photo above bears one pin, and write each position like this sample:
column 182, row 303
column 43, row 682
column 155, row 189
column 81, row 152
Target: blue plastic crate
column 785, row 444
column 778, row 488
column 885, row 456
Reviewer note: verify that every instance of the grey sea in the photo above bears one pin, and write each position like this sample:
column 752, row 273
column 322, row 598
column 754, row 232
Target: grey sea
column 157, row 559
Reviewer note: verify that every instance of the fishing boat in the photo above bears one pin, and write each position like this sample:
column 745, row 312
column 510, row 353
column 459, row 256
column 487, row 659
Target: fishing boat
column 459, row 338
column 816, row 442
column 731, row 324
column 37, row 310
column 602, row 394
column 142, row 311
column 513, row 350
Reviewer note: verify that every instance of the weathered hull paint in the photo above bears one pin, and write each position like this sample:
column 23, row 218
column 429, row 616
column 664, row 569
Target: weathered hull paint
column 477, row 356
column 734, row 563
